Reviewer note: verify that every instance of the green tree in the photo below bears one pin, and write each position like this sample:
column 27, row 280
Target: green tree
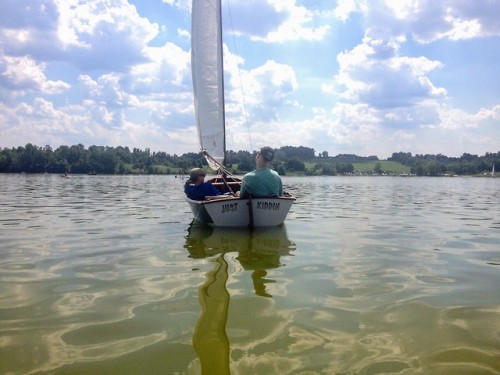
column 301, row 152
column 281, row 170
column 328, row 170
column 246, row 162
column 378, row 169
column 344, row 168
column 295, row 164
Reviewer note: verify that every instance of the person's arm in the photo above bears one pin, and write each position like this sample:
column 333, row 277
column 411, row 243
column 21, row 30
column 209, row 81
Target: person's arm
column 244, row 188
column 214, row 190
column 189, row 190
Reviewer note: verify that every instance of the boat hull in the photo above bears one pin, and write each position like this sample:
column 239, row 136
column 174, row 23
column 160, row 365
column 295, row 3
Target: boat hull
column 236, row 212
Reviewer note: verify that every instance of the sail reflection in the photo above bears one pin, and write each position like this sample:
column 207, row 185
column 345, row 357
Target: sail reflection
column 210, row 339
column 258, row 250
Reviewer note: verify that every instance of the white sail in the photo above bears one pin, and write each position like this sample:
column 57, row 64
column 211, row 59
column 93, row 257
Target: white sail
column 207, row 71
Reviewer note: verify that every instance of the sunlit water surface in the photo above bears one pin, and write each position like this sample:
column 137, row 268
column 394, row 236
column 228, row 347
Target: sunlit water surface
column 369, row 275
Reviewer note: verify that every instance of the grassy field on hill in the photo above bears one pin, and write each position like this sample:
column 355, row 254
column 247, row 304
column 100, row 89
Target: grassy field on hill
column 369, row 167
column 386, row 166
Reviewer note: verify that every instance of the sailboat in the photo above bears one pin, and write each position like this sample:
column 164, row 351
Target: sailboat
column 225, row 210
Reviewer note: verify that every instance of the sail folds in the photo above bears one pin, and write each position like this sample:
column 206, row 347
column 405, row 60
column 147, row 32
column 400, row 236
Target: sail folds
column 207, row 72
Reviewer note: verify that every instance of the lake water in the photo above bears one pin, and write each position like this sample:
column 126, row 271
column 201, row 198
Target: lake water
column 369, row 275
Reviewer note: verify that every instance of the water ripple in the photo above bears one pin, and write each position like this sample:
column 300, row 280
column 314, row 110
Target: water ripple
column 104, row 274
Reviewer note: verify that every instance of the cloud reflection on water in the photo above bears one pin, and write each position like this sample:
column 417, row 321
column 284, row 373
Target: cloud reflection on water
column 375, row 275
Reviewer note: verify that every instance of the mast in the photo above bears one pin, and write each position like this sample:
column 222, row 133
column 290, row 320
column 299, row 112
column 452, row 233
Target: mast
column 221, row 57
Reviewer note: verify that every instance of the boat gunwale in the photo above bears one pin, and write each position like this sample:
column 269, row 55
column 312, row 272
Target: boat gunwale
column 218, row 199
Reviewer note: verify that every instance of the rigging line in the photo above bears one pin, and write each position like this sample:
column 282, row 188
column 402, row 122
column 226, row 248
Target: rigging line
column 226, row 184
column 245, row 112
column 220, row 167
column 222, row 170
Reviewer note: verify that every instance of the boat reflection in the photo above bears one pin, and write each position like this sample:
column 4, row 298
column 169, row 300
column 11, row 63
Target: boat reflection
column 258, row 250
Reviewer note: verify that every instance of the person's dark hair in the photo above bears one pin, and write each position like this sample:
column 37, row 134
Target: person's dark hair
column 267, row 153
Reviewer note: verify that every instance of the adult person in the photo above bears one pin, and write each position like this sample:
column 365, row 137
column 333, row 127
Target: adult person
column 263, row 181
column 196, row 188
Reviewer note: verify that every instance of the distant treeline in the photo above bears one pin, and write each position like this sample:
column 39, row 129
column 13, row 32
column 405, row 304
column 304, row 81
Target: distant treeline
column 288, row 159
column 437, row 165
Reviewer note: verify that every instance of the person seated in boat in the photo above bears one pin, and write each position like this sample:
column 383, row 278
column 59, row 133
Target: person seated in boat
column 263, row 181
column 196, row 188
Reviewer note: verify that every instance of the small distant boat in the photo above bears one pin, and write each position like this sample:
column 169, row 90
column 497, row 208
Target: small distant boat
column 208, row 89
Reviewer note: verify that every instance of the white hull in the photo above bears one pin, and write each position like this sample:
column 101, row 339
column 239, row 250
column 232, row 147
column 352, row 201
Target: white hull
column 236, row 212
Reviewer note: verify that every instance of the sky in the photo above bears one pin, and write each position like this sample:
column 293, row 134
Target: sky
column 364, row 77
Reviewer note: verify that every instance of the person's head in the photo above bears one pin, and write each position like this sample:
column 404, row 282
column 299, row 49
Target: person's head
column 264, row 156
column 197, row 176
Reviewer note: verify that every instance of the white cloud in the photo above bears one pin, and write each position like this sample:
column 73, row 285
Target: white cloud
column 426, row 21
column 345, row 7
column 374, row 73
column 93, row 35
column 107, row 91
column 91, row 23
column 462, row 29
column 181, row 4
column 410, row 111
column 184, row 33
column 266, row 88
column 106, row 38
column 455, row 118
column 403, row 135
column 353, row 123
column 23, row 73
column 457, row 20
column 28, row 27
column 277, row 21
column 39, row 122
column 101, row 72
column 168, row 65
column 298, row 25
column 427, row 128
column 485, row 114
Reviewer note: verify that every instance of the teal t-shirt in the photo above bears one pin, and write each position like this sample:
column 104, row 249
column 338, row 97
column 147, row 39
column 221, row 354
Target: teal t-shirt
column 262, row 183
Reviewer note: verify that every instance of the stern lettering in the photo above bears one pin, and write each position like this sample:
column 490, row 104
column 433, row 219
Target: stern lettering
column 229, row 207
column 268, row 206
